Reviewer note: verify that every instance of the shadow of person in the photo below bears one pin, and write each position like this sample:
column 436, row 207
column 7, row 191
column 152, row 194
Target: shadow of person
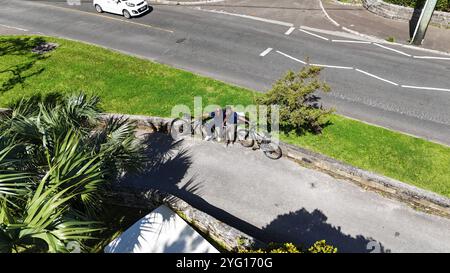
column 305, row 228
column 167, row 171
column 166, row 166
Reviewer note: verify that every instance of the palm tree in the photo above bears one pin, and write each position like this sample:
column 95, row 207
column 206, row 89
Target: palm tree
column 58, row 158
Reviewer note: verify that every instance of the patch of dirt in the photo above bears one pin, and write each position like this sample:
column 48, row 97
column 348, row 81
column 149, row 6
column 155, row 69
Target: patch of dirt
column 44, row 48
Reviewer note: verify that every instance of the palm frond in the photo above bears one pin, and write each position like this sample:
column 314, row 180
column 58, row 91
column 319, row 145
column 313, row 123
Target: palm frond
column 14, row 185
column 122, row 151
column 55, row 162
column 81, row 109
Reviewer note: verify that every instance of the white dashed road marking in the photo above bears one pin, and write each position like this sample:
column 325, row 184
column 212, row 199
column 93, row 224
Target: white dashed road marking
column 376, row 77
column 265, row 52
column 17, row 28
column 431, row 57
column 426, row 88
column 315, row 35
column 332, row 66
column 363, row 72
column 302, row 28
column 290, row 57
column 351, row 41
column 391, row 49
column 289, row 31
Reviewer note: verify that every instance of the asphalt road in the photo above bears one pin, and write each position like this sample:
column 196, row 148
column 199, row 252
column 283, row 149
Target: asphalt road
column 228, row 48
column 280, row 201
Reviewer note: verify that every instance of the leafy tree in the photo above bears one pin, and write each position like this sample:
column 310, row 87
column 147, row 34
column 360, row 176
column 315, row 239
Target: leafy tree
column 295, row 94
column 57, row 160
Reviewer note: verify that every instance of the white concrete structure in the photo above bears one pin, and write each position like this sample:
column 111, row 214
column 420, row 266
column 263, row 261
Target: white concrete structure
column 161, row 231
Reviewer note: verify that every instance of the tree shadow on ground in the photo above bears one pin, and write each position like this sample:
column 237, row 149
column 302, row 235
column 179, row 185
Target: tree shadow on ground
column 18, row 73
column 167, row 169
column 305, row 228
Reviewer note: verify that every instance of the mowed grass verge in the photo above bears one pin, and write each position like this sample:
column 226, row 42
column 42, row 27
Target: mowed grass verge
column 134, row 86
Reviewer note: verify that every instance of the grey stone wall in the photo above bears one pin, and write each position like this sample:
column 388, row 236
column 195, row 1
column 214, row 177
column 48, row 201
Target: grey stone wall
column 392, row 11
column 222, row 234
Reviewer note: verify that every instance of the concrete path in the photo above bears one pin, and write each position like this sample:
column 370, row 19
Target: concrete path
column 282, row 201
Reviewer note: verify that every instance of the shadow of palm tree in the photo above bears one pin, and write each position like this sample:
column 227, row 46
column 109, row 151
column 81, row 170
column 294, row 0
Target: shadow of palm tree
column 19, row 73
column 166, row 171
column 305, row 228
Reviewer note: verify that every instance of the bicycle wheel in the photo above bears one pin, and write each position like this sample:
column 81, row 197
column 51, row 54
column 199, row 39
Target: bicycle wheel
column 271, row 150
column 243, row 136
column 179, row 128
column 199, row 129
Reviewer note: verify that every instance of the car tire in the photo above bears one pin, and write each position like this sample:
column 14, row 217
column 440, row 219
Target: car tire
column 98, row 8
column 126, row 14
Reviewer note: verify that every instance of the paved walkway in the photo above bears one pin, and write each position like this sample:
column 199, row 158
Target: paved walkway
column 309, row 13
column 282, row 201
column 359, row 19
column 296, row 12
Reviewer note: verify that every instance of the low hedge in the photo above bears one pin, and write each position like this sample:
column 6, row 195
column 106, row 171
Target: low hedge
column 441, row 5
column 317, row 247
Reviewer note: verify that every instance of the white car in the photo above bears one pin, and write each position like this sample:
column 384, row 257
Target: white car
column 127, row 8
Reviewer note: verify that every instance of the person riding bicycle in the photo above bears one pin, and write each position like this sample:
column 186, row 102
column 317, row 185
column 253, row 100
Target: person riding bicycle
column 224, row 122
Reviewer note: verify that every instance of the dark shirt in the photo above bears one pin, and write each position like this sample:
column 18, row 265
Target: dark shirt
column 232, row 119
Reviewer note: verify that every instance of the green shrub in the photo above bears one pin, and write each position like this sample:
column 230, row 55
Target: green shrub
column 441, row 5
column 321, row 247
column 58, row 158
column 295, row 94
column 390, row 39
column 317, row 247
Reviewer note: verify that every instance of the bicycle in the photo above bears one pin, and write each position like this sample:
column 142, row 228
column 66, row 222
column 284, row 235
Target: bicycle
column 180, row 127
column 248, row 137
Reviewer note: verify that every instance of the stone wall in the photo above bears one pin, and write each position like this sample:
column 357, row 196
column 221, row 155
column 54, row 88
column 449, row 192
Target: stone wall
column 392, row 11
column 223, row 235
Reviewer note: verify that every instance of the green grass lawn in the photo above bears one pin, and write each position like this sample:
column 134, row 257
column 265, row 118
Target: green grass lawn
column 409, row 159
column 125, row 84
column 134, row 86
